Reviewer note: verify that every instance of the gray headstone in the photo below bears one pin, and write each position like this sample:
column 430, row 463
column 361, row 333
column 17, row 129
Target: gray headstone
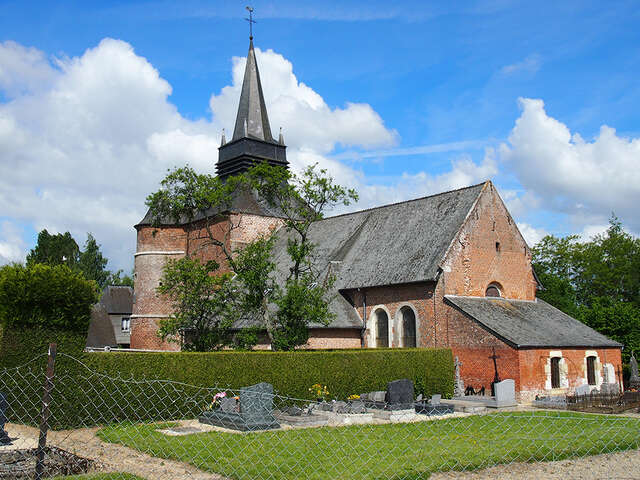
column 505, row 392
column 229, row 405
column 399, row 394
column 458, row 386
column 340, row 407
column 435, row 399
column 419, row 398
column 610, row 388
column 257, row 400
column 357, row 406
column 294, row 411
column 4, row 436
column 583, row 390
column 377, row 396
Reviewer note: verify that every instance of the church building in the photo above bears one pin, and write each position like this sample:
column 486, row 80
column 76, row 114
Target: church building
column 448, row 270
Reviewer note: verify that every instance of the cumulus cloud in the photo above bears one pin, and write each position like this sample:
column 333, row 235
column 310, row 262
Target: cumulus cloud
column 531, row 234
column 565, row 173
column 12, row 247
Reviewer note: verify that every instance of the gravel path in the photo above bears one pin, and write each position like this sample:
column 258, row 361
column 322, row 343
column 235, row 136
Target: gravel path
column 112, row 457
column 619, row 466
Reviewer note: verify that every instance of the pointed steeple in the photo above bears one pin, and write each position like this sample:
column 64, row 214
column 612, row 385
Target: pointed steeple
column 252, row 119
column 252, row 142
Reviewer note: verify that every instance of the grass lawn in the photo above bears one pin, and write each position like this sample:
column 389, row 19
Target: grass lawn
column 397, row 451
column 101, row 476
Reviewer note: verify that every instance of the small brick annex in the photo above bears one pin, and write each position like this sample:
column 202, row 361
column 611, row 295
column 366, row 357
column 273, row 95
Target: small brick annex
column 488, row 250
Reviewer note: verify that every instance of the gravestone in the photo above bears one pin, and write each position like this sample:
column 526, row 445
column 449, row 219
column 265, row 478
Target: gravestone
column 4, row 436
column 634, row 380
column 229, row 405
column 340, row 407
column 255, row 411
column 610, row 388
column 435, row 399
column 505, row 393
column 357, row 406
column 583, row 390
column 399, row 395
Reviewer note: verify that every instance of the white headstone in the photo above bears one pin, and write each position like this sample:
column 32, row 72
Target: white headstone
column 505, row 393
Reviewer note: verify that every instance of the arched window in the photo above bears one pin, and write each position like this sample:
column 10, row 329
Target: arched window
column 555, row 372
column 493, row 290
column 591, row 370
column 408, row 328
column 382, row 329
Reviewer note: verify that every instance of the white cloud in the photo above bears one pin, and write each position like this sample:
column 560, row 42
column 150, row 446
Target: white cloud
column 584, row 179
column 531, row 64
column 531, row 234
column 12, row 247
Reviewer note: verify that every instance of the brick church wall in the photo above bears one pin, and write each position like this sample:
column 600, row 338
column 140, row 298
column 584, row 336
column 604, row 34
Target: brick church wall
column 489, row 249
column 535, row 369
column 156, row 244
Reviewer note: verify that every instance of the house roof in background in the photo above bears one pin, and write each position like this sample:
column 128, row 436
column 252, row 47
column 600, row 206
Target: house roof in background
column 117, row 299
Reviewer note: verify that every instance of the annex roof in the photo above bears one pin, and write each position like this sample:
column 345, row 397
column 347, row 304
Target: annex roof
column 522, row 323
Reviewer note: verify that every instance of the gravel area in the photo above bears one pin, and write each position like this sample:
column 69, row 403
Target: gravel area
column 619, row 466
column 110, row 457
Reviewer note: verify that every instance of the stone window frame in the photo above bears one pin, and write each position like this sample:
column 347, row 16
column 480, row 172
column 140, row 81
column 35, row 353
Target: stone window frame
column 399, row 324
column 598, row 368
column 562, row 366
column 373, row 326
column 497, row 286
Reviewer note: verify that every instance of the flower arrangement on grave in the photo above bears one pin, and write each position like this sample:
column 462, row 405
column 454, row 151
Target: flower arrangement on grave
column 353, row 397
column 320, row 391
column 215, row 402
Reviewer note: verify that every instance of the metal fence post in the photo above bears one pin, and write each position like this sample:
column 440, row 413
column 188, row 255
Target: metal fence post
column 44, row 418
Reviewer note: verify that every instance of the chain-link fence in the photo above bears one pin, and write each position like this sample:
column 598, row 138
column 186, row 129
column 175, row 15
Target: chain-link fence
column 76, row 421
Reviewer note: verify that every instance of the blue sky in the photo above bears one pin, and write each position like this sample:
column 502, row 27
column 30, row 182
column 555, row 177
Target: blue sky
column 443, row 83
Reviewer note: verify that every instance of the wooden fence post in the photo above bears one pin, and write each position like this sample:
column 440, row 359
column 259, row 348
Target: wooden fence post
column 44, row 418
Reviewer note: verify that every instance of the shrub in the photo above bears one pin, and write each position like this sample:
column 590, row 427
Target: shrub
column 45, row 296
column 81, row 398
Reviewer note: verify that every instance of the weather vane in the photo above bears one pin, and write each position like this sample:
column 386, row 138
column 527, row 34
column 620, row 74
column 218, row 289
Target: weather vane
column 251, row 21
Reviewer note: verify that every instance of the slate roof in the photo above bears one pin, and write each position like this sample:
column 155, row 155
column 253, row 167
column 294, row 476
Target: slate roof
column 117, row 299
column 394, row 244
column 243, row 201
column 523, row 323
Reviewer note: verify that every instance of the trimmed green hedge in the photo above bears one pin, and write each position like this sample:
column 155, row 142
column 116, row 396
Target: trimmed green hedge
column 98, row 391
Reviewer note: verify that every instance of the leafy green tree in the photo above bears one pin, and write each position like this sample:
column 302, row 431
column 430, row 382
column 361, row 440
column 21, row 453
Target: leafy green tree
column 203, row 313
column 46, row 296
column 118, row 279
column 597, row 281
column 302, row 298
column 58, row 249
column 92, row 263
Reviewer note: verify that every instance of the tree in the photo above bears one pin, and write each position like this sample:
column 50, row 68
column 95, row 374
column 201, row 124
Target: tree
column 203, row 312
column 116, row 278
column 58, row 249
column 46, row 296
column 301, row 299
column 597, row 281
column 92, row 263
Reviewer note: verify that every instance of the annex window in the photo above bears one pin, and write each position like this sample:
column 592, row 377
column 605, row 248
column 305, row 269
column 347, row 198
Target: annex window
column 408, row 328
column 555, row 372
column 382, row 329
column 493, row 290
column 591, row 370
column 125, row 324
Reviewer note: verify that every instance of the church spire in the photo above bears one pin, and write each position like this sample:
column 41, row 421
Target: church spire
column 252, row 141
column 252, row 110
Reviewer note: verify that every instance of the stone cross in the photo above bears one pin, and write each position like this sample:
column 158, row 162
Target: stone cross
column 634, row 380
column 496, row 377
column 458, row 388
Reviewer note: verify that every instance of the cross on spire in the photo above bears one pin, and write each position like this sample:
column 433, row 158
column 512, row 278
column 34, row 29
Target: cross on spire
column 251, row 21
